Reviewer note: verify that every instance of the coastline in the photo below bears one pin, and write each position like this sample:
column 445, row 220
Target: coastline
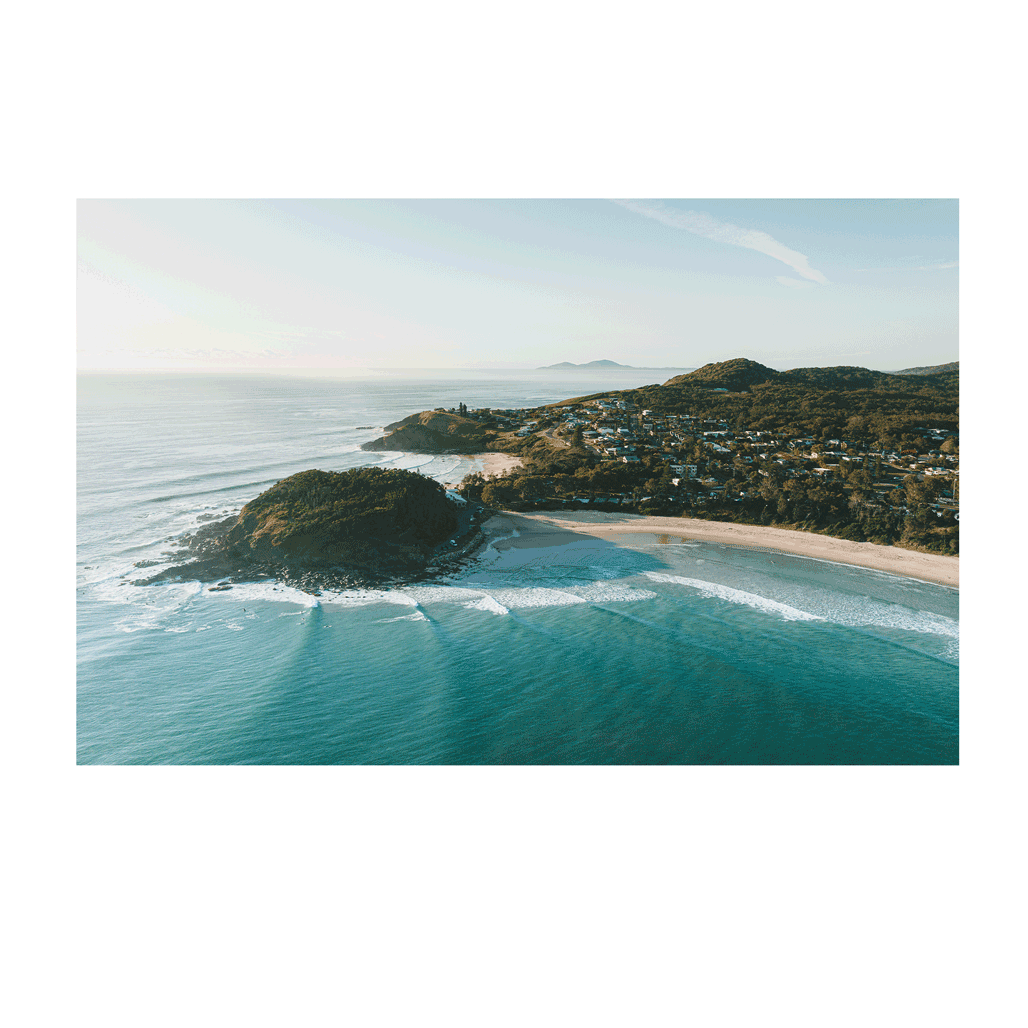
column 540, row 528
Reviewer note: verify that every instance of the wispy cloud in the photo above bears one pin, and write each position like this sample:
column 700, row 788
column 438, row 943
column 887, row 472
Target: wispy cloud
column 795, row 283
column 724, row 232
column 937, row 266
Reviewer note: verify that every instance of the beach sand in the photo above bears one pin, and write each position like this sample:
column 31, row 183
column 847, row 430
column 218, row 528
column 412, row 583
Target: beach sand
column 497, row 463
column 556, row 529
column 490, row 464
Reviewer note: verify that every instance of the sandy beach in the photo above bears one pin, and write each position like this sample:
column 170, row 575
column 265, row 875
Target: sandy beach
column 554, row 529
column 489, row 464
column 497, row 463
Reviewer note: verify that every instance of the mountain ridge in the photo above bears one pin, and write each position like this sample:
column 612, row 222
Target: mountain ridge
column 602, row 365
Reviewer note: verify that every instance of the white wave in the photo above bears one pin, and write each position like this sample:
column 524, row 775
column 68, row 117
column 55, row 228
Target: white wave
column 502, row 600
column 725, row 592
column 366, row 597
column 853, row 610
column 875, row 614
column 422, row 594
column 838, row 608
column 611, row 592
column 488, row 603
column 411, row 461
column 523, row 599
column 273, row 592
column 354, row 597
column 159, row 596
column 416, row 616
column 151, row 605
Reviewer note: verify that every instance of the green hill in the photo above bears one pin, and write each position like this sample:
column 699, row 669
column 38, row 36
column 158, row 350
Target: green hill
column 317, row 529
column 733, row 375
column 331, row 516
column 932, row 369
column 810, row 400
column 433, row 432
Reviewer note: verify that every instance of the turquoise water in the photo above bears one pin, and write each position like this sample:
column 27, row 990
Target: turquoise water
column 660, row 651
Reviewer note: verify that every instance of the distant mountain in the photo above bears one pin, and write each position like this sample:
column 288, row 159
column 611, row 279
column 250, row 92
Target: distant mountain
column 567, row 365
column 932, row 369
column 603, row 365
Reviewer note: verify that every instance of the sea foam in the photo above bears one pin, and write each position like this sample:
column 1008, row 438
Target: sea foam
column 487, row 603
column 725, row 592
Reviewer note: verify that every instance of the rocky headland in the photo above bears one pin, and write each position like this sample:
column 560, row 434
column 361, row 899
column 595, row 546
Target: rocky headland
column 435, row 432
column 366, row 527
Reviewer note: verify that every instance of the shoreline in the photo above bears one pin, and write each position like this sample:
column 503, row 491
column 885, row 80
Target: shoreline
column 494, row 463
column 539, row 528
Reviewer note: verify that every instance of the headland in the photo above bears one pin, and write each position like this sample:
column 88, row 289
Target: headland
column 365, row 527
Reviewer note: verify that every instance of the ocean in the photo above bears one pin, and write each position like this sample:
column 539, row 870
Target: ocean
column 667, row 651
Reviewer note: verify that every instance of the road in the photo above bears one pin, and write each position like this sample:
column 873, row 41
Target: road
column 551, row 434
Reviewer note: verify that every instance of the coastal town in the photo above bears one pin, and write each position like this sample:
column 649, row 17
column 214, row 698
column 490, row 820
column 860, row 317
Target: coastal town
column 649, row 461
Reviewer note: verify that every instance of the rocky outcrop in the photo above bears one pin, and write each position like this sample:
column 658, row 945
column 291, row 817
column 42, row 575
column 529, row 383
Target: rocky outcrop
column 434, row 432
column 320, row 529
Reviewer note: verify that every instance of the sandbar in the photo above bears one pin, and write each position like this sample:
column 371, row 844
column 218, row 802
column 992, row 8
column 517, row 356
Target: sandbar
column 539, row 529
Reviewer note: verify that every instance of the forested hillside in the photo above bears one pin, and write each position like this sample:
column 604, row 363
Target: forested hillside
column 809, row 401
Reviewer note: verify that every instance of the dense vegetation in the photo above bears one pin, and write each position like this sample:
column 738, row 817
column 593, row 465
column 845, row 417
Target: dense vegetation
column 823, row 402
column 335, row 511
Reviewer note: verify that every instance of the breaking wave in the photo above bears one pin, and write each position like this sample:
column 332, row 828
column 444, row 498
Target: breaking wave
column 725, row 592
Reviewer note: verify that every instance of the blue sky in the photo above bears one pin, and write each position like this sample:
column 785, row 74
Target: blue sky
column 350, row 284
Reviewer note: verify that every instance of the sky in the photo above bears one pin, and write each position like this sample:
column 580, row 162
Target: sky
column 351, row 284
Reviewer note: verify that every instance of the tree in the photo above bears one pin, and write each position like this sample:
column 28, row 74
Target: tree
column 495, row 494
column 863, row 487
